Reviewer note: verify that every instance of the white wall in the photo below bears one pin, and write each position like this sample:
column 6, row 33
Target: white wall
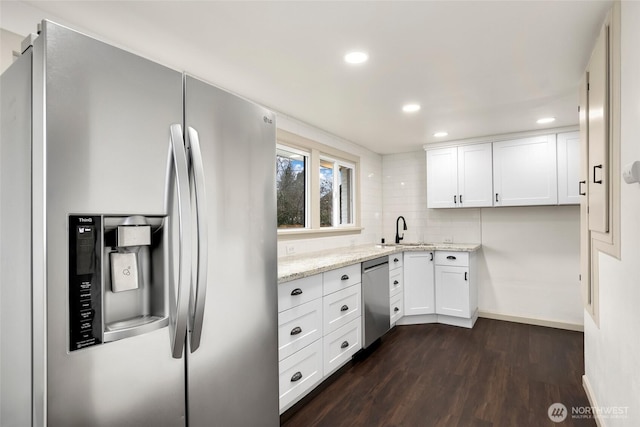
column 370, row 193
column 530, row 258
column 612, row 350
column 9, row 42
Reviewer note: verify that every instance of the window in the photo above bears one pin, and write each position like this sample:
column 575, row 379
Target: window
column 291, row 187
column 336, row 193
column 317, row 187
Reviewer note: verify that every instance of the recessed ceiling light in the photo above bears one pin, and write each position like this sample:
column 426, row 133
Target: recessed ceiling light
column 546, row 120
column 440, row 134
column 356, row 57
column 411, row 108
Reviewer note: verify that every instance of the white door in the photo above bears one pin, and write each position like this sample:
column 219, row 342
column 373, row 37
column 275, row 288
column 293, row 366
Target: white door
column 442, row 178
column 475, row 177
column 452, row 291
column 419, row 294
column 524, row 171
column 568, row 168
column 598, row 84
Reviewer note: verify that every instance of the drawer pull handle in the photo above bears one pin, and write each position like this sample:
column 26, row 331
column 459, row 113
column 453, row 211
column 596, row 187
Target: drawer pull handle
column 345, row 344
column 396, row 260
column 580, row 192
column 451, row 257
column 296, row 377
column 465, row 275
column 296, row 330
column 344, row 308
column 431, row 253
column 296, row 291
column 344, row 277
column 395, row 282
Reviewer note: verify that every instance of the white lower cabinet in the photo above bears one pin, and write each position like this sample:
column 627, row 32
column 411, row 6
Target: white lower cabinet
column 299, row 373
column 319, row 329
column 341, row 344
column 419, row 294
column 440, row 287
column 396, row 288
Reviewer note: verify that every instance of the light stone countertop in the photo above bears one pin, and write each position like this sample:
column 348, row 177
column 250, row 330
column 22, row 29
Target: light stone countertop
column 305, row 265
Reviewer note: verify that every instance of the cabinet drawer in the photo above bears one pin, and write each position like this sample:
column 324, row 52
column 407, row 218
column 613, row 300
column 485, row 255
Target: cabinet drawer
column 341, row 278
column 396, row 307
column 299, row 373
column 341, row 345
column 395, row 281
column 299, row 291
column 341, row 307
column 298, row 327
column 452, row 258
column 395, row 261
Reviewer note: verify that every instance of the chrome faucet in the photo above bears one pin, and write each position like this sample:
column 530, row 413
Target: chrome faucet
column 404, row 223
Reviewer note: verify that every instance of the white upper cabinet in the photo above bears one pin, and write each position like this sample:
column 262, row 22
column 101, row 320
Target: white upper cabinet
column 475, row 179
column 569, row 168
column 442, row 178
column 459, row 177
column 524, row 171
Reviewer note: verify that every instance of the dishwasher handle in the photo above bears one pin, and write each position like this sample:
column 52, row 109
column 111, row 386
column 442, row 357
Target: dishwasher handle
column 374, row 267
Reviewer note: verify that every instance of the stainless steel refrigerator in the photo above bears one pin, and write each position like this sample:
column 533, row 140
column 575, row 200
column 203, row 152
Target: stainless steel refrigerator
column 138, row 247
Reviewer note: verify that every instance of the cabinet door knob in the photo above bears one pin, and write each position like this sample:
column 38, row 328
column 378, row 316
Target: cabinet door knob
column 396, row 309
column 296, row 291
column 297, row 376
column 345, row 344
column 396, row 260
column 451, row 257
column 580, row 188
column 395, row 282
column 296, row 330
column 344, row 308
column 344, row 277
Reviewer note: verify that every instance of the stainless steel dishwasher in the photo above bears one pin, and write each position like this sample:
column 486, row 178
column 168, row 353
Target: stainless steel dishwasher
column 375, row 298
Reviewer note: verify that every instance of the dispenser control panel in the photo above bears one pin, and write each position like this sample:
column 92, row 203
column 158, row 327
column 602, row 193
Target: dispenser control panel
column 85, row 287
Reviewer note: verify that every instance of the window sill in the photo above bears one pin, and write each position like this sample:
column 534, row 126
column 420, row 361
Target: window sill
column 307, row 233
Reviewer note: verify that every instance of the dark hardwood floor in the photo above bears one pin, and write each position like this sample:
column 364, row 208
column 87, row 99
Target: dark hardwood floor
column 496, row 374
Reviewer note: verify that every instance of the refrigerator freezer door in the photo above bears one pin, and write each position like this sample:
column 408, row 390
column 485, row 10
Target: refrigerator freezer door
column 105, row 140
column 233, row 375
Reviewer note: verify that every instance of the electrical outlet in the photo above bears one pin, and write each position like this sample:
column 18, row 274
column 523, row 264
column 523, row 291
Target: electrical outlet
column 448, row 239
column 290, row 249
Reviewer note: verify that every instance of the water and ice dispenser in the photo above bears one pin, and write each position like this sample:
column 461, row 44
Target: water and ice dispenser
column 117, row 278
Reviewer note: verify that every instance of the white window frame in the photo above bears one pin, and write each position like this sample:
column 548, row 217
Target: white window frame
column 335, row 217
column 317, row 151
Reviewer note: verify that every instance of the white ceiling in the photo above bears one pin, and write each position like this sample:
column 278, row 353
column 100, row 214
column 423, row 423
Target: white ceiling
column 476, row 67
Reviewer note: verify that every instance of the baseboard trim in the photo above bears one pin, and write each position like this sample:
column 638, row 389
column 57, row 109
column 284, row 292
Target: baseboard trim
column 592, row 400
column 532, row 321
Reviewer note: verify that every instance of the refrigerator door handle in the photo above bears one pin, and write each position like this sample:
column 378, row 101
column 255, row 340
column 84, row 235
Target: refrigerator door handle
column 199, row 277
column 180, row 310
